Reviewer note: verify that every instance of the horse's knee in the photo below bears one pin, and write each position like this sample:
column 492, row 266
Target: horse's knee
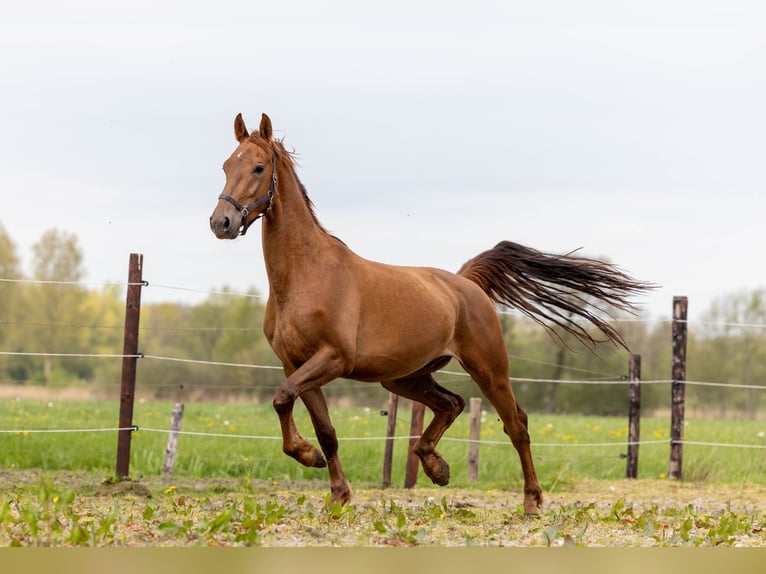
column 283, row 401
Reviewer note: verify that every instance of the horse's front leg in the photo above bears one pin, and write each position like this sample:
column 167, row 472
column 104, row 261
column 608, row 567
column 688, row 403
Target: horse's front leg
column 295, row 445
column 306, row 382
column 317, row 406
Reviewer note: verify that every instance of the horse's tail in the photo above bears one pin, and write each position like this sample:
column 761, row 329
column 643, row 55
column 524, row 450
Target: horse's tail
column 555, row 290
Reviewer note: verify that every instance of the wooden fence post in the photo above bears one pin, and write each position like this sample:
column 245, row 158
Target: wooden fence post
column 388, row 455
column 634, row 414
column 416, row 429
column 130, row 353
column 170, row 450
column 474, row 438
column 678, row 389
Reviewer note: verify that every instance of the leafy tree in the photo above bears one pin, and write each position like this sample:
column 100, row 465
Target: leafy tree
column 9, row 260
column 731, row 349
column 57, row 308
column 10, row 302
column 103, row 316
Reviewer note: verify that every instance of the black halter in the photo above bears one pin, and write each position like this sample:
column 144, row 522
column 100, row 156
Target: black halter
column 245, row 210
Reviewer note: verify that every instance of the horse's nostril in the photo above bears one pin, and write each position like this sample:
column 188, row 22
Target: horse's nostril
column 226, row 223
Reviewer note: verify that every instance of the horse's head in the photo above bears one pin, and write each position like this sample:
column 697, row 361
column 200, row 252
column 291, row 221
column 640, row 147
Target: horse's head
column 251, row 181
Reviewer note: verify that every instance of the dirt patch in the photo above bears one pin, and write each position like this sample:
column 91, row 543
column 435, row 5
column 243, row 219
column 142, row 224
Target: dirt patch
column 123, row 487
column 82, row 509
column 47, row 393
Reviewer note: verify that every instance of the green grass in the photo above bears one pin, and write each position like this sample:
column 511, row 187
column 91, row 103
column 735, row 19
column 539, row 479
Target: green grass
column 262, row 458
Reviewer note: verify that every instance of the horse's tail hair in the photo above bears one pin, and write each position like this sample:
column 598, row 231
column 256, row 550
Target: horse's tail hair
column 556, row 290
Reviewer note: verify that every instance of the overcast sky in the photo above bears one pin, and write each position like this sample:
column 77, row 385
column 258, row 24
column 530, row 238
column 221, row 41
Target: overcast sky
column 426, row 132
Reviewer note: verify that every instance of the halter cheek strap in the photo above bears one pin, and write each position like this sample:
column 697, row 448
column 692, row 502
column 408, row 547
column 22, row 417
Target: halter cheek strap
column 246, row 210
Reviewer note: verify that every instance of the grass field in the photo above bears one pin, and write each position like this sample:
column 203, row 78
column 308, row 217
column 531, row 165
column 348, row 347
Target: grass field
column 559, row 444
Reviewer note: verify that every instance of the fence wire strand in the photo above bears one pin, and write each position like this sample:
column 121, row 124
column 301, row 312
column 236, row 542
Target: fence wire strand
column 56, row 431
column 623, row 382
column 482, row 442
column 80, row 355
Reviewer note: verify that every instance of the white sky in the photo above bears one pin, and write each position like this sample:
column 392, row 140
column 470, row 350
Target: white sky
column 426, row 132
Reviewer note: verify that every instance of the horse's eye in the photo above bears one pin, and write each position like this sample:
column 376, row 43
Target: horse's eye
column 258, row 170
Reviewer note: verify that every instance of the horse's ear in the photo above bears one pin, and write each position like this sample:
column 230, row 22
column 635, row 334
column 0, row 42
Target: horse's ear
column 240, row 130
column 265, row 128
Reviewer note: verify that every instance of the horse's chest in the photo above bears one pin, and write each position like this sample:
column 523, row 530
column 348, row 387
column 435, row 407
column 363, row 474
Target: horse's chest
column 296, row 338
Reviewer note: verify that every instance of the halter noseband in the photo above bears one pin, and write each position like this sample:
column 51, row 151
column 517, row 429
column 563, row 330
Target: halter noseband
column 245, row 210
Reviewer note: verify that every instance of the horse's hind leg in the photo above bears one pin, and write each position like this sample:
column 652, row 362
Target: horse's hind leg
column 446, row 407
column 497, row 388
column 492, row 378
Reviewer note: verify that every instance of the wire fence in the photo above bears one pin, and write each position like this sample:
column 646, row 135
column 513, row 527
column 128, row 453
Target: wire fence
column 585, row 381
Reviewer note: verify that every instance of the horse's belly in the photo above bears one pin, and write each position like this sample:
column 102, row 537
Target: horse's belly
column 383, row 364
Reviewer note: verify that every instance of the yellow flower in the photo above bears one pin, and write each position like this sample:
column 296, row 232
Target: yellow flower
column 170, row 489
column 662, row 475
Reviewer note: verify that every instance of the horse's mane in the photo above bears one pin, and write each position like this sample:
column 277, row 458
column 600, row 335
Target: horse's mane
column 287, row 158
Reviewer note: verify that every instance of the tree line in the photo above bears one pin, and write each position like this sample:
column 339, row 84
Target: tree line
column 42, row 317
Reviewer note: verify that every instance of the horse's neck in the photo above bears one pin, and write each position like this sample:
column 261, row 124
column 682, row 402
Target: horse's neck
column 293, row 242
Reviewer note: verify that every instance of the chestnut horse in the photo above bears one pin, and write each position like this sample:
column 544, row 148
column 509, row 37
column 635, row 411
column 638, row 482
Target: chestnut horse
column 331, row 314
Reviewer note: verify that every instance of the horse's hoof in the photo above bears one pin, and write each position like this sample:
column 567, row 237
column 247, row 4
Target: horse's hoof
column 340, row 495
column 533, row 500
column 437, row 470
column 319, row 460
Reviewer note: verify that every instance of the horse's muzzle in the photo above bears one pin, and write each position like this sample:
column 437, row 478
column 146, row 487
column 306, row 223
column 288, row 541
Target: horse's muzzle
column 225, row 226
